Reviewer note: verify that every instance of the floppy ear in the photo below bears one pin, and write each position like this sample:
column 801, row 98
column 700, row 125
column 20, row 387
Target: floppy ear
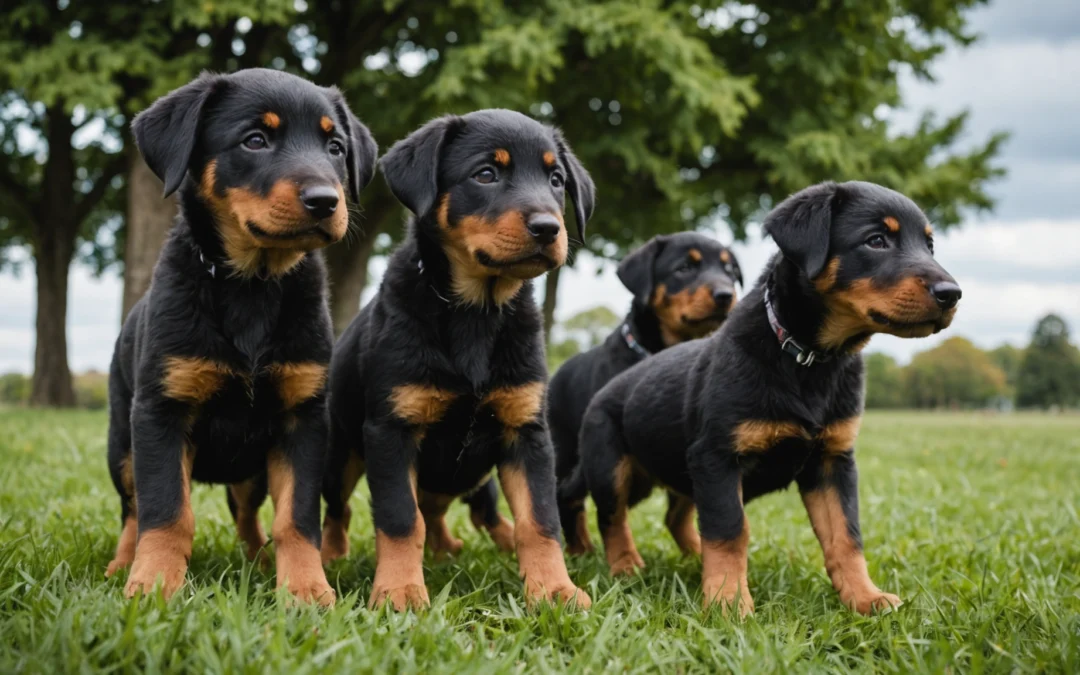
column 411, row 167
column 166, row 131
column 800, row 226
column 362, row 150
column 578, row 183
column 735, row 266
column 636, row 270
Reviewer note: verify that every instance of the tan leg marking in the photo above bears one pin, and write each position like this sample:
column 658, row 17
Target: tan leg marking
column 129, row 534
column 680, row 522
column 582, row 543
column 539, row 557
column 439, row 540
column 248, row 527
column 163, row 553
column 723, row 573
column 399, row 566
column 622, row 554
column 299, row 567
column 844, row 560
column 502, row 533
column 335, row 534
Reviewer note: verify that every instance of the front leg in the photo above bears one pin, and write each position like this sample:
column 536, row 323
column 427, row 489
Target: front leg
column 725, row 535
column 829, row 486
column 166, row 523
column 527, row 476
column 399, row 527
column 295, row 478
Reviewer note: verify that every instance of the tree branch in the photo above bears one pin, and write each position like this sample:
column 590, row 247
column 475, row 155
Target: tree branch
column 114, row 167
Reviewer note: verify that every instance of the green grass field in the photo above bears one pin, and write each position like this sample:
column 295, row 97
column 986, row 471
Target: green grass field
column 972, row 519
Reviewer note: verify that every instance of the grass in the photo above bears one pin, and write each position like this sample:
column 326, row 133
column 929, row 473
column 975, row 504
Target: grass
column 971, row 518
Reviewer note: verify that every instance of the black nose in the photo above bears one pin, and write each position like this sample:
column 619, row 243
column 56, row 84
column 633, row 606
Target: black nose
column 722, row 299
column 320, row 200
column 946, row 294
column 544, row 227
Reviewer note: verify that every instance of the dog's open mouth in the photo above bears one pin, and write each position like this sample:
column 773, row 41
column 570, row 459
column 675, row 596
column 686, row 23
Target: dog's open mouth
column 315, row 230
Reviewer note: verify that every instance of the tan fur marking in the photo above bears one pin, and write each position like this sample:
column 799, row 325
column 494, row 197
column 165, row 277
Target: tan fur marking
column 163, row 553
column 298, row 382
column 439, row 540
column 844, row 559
column 420, row 404
column 840, row 436
column 502, row 157
column 581, row 544
column 326, row 124
column 892, row 224
column 399, row 566
column 825, row 281
column 929, row 230
column 504, row 239
column 680, row 522
column 695, row 255
column 723, row 573
column 299, row 566
column 335, row 534
column 907, row 302
column 125, row 546
column 549, row 158
column 761, row 435
column 278, row 213
column 725, row 257
column 516, row 406
column 619, row 547
column 193, row 380
column 685, row 315
column 271, row 120
column 248, row 527
column 539, row 556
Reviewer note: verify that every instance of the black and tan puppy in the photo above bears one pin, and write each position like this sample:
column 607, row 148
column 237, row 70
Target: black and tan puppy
column 776, row 395
column 684, row 287
column 219, row 371
column 441, row 377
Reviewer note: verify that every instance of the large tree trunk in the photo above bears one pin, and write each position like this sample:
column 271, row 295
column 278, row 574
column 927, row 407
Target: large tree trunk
column 348, row 261
column 551, row 297
column 148, row 219
column 54, row 245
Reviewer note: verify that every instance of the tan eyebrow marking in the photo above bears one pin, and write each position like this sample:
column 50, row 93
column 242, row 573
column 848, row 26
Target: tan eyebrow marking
column 271, row 120
column 549, row 158
column 892, row 224
column 695, row 255
column 502, row 157
column 327, row 124
column 929, row 230
column 725, row 256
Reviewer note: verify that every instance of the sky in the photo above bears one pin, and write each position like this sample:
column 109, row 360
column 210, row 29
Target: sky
column 1014, row 265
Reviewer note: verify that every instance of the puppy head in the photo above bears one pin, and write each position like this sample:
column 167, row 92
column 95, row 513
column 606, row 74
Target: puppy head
column 687, row 280
column 869, row 253
column 491, row 187
column 271, row 155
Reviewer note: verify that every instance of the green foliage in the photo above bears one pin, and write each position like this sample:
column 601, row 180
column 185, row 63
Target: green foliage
column 92, row 390
column 960, row 518
column 884, row 382
column 593, row 324
column 1049, row 374
column 1008, row 358
column 560, row 352
column 14, row 389
column 955, row 374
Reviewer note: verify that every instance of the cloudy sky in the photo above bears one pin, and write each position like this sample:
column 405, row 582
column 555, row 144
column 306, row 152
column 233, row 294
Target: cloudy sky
column 1014, row 266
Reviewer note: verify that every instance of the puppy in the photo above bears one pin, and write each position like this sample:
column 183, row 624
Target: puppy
column 776, row 394
column 219, row 371
column 684, row 287
column 441, row 377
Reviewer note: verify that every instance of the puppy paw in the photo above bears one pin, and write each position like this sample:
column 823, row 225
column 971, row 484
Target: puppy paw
column 727, row 596
column 872, row 602
column 312, row 590
column 503, row 535
column 627, row 564
column 565, row 592
column 144, row 577
column 335, row 541
column 401, row 598
column 443, row 544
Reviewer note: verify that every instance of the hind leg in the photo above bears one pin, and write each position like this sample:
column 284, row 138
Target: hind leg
column 680, row 522
column 484, row 513
column 433, row 508
column 338, row 485
column 244, row 501
column 609, row 474
column 121, row 469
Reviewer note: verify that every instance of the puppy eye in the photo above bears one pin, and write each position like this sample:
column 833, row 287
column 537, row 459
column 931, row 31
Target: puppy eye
column 255, row 141
column 557, row 181
column 877, row 242
column 930, row 244
column 336, row 148
column 485, row 176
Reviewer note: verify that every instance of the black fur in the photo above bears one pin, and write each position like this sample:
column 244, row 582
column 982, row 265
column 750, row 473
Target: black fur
column 676, row 417
column 241, row 319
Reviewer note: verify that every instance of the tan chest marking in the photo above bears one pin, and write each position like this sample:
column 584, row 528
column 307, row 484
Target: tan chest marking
column 420, row 404
column 297, row 382
column 193, row 379
column 515, row 407
column 760, row 435
column 840, row 435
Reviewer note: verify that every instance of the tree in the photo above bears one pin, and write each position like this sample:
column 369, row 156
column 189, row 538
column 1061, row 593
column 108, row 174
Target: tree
column 955, row 374
column 1008, row 358
column 884, row 382
column 71, row 76
column 592, row 324
column 1050, row 372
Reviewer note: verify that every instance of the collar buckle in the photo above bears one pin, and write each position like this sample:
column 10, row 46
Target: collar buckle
column 632, row 342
